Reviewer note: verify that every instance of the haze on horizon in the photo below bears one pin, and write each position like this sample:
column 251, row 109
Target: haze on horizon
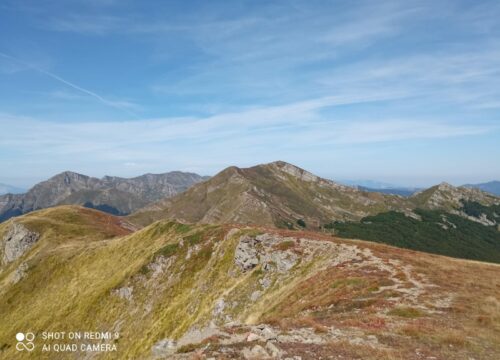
column 400, row 92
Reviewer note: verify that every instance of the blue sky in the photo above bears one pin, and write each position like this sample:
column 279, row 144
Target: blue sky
column 405, row 92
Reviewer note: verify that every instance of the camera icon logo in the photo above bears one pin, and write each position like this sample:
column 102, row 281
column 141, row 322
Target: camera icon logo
column 25, row 341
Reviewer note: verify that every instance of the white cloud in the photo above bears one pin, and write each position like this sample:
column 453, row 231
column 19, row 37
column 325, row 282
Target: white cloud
column 288, row 126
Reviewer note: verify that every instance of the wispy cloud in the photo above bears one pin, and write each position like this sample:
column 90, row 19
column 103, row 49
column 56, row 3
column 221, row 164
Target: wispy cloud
column 120, row 105
column 290, row 126
column 236, row 82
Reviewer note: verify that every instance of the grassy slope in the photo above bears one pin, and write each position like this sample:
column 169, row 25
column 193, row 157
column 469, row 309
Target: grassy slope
column 72, row 287
column 267, row 195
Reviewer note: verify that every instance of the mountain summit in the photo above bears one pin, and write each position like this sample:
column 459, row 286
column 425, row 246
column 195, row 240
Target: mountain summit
column 284, row 195
column 274, row 194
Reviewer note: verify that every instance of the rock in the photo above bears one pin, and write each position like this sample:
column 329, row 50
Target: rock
column 161, row 265
column 253, row 337
column 196, row 336
column 255, row 295
column 268, row 334
column 265, row 282
column 17, row 241
column 283, row 261
column 246, row 254
column 219, row 307
column 19, row 273
column 164, row 347
column 274, row 350
column 257, row 352
column 124, row 293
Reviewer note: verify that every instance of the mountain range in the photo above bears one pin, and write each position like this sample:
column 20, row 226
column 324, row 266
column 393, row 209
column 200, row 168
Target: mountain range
column 491, row 187
column 285, row 196
column 9, row 189
column 443, row 219
column 115, row 195
column 263, row 262
column 402, row 191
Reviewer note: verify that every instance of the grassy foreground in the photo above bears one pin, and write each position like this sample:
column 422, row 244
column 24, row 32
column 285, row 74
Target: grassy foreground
column 320, row 295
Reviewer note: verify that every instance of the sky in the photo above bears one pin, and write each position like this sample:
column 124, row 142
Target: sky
column 405, row 92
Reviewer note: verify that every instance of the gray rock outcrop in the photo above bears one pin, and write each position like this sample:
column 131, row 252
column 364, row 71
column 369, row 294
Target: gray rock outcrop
column 246, row 255
column 17, row 241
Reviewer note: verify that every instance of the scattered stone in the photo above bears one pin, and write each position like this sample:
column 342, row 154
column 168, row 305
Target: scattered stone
column 265, row 282
column 164, row 347
column 274, row 350
column 257, row 352
column 20, row 273
column 219, row 307
column 283, row 260
column 124, row 293
column 253, row 337
column 255, row 295
column 196, row 336
column 269, row 334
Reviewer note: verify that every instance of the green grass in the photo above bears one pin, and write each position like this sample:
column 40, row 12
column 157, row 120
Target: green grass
column 168, row 250
column 194, row 238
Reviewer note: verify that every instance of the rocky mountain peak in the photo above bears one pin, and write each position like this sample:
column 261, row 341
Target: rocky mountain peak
column 115, row 195
column 444, row 186
column 293, row 170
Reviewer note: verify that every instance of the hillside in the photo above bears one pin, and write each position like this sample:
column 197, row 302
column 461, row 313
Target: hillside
column 115, row 195
column 276, row 194
column 431, row 231
column 447, row 197
column 176, row 291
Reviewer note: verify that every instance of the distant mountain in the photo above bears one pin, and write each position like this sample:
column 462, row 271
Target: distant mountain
column 492, row 187
column 448, row 197
column 114, row 195
column 283, row 195
column 371, row 184
column 381, row 187
column 9, row 189
column 392, row 191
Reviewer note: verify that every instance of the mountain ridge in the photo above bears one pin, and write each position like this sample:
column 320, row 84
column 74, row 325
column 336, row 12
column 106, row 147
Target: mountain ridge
column 9, row 189
column 116, row 195
column 490, row 186
column 280, row 194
